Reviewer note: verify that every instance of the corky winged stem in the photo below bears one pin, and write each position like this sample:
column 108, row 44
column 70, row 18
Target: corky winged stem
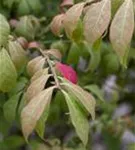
column 51, row 67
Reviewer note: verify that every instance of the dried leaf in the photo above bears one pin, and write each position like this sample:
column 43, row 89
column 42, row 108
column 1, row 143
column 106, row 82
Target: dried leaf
column 35, row 65
column 39, row 74
column 121, row 30
column 18, row 55
column 85, row 98
column 78, row 119
column 36, row 87
column 57, row 24
column 8, row 73
column 72, row 17
column 32, row 112
column 96, row 20
column 4, row 30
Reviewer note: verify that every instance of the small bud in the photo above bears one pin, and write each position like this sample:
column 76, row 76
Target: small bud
column 23, row 42
column 13, row 23
column 67, row 72
column 67, row 3
column 33, row 44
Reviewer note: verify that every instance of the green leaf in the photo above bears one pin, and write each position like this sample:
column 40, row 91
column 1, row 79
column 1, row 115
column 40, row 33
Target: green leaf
column 78, row 119
column 115, row 6
column 10, row 107
column 29, row 6
column 4, row 30
column 21, row 84
column 77, row 34
column 85, row 98
column 95, row 55
column 8, row 73
column 55, row 111
column 27, row 27
column 73, row 55
column 23, row 8
column 9, row 3
column 14, row 142
column 95, row 90
column 32, row 112
column 22, row 104
column 2, row 99
column 18, row 55
column 111, row 63
column 121, row 30
column 111, row 140
column 40, row 127
column 131, row 146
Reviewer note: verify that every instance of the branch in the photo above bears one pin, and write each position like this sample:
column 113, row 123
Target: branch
column 92, row 2
column 51, row 67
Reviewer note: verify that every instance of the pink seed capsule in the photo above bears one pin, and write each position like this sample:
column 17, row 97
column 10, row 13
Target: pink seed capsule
column 67, row 72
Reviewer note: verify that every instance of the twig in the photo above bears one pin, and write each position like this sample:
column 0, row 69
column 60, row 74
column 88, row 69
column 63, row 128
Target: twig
column 51, row 67
column 92, row 2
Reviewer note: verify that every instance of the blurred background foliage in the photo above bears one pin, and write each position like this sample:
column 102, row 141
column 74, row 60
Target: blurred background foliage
column 113, row 87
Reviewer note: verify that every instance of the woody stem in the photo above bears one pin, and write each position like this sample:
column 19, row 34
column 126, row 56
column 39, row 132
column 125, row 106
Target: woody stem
column 51, row 67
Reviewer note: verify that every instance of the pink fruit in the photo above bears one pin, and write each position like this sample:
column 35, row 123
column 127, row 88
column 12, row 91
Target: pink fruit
column 67, row 72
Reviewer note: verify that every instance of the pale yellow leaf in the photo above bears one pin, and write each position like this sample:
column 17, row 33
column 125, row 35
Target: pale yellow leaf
column 96, row 20
column 121, row 30
column 39, row 74
column 32, row 112
column 36, row 87
column 57, row 24
column 72, row 17
column 17, row 53
column 35, row 65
